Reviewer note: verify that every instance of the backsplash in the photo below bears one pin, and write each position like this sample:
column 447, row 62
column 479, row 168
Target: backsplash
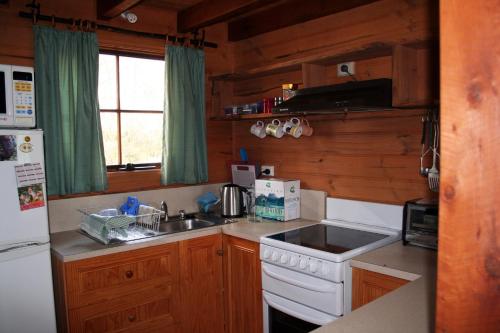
column 64, row 214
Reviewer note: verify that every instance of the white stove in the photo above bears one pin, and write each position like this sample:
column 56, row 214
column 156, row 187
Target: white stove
column 306, row 274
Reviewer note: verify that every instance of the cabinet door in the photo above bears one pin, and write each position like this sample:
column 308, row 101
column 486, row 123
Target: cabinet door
column 201, row 284
column 243, row 286
column 99, row 279
column 368, row 286
column 153, row 310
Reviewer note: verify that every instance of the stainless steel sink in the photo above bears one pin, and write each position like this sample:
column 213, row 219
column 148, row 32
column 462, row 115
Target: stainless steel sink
column 184, row 225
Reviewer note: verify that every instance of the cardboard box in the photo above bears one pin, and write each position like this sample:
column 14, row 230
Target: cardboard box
column 277, row 199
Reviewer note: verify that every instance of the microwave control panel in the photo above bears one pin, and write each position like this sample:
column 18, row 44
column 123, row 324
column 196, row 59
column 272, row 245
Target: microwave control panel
column 23, row 90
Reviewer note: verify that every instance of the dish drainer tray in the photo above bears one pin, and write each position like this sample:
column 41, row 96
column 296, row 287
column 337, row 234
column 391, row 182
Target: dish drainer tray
column 109, row 226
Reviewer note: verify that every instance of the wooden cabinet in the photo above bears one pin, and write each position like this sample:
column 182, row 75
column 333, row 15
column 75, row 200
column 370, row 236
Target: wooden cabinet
column 201, row 284
column 243, row 286
column 368, row 286
column 129, row 291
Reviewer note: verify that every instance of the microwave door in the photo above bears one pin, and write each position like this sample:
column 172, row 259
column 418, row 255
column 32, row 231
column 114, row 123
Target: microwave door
column 6, row 103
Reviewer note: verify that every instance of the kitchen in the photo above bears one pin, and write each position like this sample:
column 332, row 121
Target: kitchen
column 367, row 157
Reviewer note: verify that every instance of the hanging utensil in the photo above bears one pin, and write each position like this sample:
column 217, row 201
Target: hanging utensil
column 425, row 144
column 433, row 173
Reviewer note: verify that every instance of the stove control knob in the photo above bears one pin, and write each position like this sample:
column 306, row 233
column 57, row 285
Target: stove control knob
column 293, row 261
column 274, row 257
column 284, row 258
column 267, row 254
column 302, row 263
column 313, row 267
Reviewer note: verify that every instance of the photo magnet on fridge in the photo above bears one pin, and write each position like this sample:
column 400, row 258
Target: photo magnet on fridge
column 31, row 196
column 8, row 148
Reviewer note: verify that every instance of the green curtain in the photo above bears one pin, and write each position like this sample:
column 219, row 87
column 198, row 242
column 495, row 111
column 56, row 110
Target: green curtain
column 66, row 76
column 184, row 157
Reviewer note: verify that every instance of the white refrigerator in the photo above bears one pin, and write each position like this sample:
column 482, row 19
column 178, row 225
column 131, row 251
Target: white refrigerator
column 26, row 294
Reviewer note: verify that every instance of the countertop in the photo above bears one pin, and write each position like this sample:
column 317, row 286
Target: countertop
column 409, row 308
column 73, row 245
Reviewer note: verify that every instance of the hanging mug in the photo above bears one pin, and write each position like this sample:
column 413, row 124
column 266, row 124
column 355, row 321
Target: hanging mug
column 287, row 126
column 307, row 130
column 275, row 129
column 296, row 129
column 258, row 129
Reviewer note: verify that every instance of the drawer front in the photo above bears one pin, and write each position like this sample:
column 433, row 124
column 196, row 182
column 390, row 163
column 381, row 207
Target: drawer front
column 153, row 311
column 103, row 278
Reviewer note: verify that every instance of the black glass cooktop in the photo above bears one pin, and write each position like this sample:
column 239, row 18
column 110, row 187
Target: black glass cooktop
column 328, row 238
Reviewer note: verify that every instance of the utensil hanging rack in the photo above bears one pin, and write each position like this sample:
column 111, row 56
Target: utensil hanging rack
column 35, row 15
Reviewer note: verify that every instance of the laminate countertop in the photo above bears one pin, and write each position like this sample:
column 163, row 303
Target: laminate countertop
column 73, row 245
column 408, row 309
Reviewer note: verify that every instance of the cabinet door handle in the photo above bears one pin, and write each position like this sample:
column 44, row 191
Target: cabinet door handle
column 129, row 274
column 131, row 317
column 220, row 252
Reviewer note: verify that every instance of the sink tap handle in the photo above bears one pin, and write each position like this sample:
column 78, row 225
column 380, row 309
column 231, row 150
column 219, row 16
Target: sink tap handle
column 182, row 214
column 164, row 211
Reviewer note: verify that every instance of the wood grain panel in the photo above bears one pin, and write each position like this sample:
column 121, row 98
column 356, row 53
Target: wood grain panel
column 201, row 284
column 468, row 286
column 381, row 24
column 58, row 280
column 367, row 286
column 95, row 280
column 373, row 159
column 243, row 286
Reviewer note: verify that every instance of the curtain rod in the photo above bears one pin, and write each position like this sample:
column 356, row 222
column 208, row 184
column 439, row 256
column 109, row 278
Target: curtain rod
column 171, row 38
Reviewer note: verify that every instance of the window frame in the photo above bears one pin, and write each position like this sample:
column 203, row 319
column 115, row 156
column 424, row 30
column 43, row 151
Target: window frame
column 119, row 111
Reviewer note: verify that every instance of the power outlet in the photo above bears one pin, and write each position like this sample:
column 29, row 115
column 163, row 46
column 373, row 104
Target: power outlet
column 346, row 69
column 267, row 170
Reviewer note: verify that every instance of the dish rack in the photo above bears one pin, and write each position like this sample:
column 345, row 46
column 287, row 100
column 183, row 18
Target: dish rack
column 110, row 226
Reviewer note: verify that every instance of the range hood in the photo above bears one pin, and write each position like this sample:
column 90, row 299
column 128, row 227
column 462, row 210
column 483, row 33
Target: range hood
column 367, row 95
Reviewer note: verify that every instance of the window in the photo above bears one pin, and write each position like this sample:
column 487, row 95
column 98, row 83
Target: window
column 131, row 95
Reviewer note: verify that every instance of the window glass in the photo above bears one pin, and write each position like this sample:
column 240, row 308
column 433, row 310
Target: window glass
column 141, row 84
column 109, row 125
column 107, row 82
column 131, row 93
column 141, row 137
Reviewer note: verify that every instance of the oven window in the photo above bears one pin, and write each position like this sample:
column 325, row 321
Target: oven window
column 280, row 322
column 3, row 98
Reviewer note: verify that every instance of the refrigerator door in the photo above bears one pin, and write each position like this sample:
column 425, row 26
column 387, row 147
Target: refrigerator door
column 27, row 299
column 16, row 225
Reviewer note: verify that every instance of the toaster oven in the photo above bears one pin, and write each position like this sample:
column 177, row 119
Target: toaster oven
column 420, row 223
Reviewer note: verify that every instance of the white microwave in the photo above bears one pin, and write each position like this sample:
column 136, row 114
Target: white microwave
column 17, row 96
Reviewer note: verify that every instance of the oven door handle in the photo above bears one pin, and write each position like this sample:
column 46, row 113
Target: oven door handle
column 320, row 287
column 314, row 320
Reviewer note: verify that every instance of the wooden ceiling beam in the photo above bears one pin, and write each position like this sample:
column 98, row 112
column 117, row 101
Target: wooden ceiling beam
column 107, row 9
column 286, row 14
column 210, row 12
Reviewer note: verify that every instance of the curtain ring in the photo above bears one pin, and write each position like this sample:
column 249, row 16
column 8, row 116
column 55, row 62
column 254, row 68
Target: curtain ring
column 53, row 21
column 81, row 24
column 88, row 26
column 73, row 24
column 35, row 16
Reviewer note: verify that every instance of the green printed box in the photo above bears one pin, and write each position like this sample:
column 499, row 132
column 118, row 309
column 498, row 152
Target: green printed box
column 277, row 199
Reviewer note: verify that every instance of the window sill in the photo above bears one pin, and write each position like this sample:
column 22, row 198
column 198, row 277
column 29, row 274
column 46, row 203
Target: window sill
column 125, row 181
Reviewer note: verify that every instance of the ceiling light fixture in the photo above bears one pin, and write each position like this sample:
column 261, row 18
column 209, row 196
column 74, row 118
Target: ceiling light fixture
column 129, row 16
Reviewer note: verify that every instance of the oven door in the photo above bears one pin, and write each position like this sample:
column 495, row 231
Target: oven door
column 282, row 315
column 6, row 102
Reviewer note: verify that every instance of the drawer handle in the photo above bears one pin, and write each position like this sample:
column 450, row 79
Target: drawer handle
column 129, row 274
column 131, row 317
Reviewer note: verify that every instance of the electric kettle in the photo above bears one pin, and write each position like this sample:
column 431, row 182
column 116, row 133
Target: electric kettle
column 233, row 200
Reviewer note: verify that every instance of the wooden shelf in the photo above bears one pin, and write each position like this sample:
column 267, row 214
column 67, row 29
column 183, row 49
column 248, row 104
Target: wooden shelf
column 296, row 64
column 392, row 112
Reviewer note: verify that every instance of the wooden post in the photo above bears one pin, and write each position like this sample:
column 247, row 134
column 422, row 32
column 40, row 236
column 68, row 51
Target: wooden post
column 468, row 286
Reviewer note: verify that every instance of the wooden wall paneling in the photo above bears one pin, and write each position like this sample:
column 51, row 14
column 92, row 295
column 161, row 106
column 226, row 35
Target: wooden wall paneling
column 314, row 75
column 379, row 25
column 58, row 278
column 405, row 72
column 373, row 157
column 286, row 14
column 468, row 282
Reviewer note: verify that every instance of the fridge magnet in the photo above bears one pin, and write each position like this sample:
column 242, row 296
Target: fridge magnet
column 29, row 174
column 31, row 196
column 8, row 148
